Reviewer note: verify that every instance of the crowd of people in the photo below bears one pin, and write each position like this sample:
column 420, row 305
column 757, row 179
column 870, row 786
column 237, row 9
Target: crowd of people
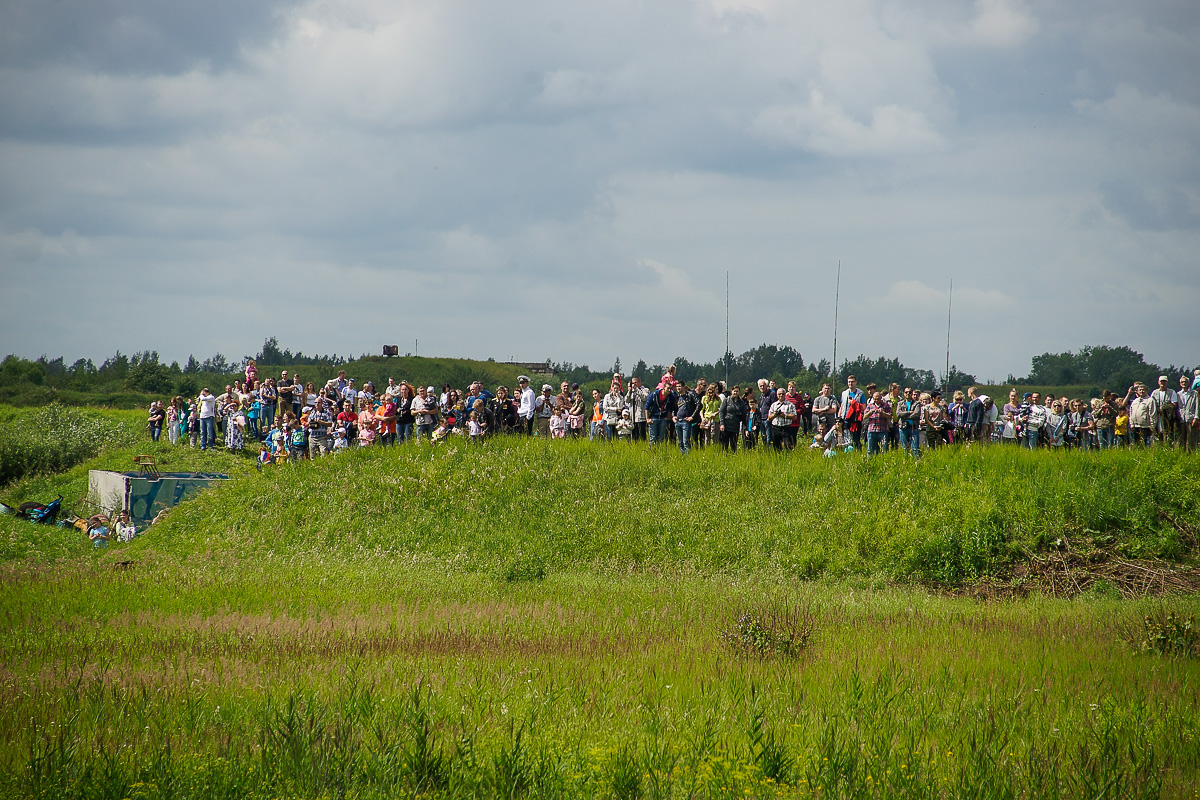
column 290, row 420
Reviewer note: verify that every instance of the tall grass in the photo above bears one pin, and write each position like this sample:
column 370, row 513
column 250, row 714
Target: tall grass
column 551, row 620
column 384, row 681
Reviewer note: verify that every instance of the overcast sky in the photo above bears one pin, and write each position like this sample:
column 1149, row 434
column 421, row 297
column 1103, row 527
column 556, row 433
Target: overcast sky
column 573, row 180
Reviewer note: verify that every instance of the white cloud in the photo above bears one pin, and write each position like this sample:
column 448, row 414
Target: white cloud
column 825, row 128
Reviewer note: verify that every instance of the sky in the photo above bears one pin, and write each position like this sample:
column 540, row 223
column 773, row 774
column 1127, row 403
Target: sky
column 574, row 180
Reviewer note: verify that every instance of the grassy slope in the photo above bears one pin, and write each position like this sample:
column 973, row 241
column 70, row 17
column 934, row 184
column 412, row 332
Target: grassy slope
column 954, row 515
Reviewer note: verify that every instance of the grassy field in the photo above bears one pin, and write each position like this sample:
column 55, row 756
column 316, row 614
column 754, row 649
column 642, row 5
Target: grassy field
column 532, row 619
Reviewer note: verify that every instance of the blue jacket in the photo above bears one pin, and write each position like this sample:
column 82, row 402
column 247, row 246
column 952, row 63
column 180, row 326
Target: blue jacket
column 659, row 408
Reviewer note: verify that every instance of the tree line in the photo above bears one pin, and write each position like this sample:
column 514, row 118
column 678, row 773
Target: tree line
column 144, row 372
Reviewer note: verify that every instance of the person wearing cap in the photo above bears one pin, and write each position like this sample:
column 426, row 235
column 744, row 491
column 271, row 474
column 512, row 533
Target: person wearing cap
column 1167, row 424
column 349, row 392
column 1190, row 410
column 525, row 406
column 543, row 407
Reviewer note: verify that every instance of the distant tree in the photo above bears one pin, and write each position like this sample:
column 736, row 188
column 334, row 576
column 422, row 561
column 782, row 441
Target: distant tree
column 957, row 380
column 192, row 367
column 15, row 369
column 270, row 353
column 146, row 374
column 115, row 367
column 617, row 365
column 641, row 371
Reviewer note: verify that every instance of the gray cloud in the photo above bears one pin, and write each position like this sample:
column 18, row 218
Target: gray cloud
column 576, row 179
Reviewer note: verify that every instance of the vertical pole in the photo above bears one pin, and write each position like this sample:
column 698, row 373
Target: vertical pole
column 949, row 308
column 837, row 294
column 726, row 328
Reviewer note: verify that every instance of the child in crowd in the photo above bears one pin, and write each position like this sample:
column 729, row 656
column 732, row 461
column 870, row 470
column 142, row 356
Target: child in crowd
column 340, row 442
column 625, row 426
column 297, row 439
column 474, row 428
column 558, row 424
column 366, row 429
column 193, row 427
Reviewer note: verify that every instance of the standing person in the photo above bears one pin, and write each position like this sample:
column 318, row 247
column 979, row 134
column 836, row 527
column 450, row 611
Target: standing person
column 1167, row 399
column 1032, row 416
column 1143, row 416
column 504, row 410
column 794, row 397
column 910, row 422
column 1106, row 417
column 424, row 411
column 576, row 414
column 635, row 401
column 937, row 423
column 543, row 407
column 710, row 407
column 1080, row 428
column 206, row 403
column 405, row 421
column 731, row 418
column 851, row 393
column 825, row 407
column 749, row 412
column 320, row 429
column 805, row 410
column 174, row 412
column 613, row 405
column 762, row 410
column 878, row 418
column 269, row 398
column 687, row 413
column 525, row 407
column 895, row 398
column 158, row 415
column 598, row 429
column 385, row 418
column 284, row 390
column 780, row 415
column 1190, row 411
column 660, row 410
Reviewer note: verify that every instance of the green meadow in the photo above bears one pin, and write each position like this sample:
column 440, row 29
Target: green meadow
column 532, row 619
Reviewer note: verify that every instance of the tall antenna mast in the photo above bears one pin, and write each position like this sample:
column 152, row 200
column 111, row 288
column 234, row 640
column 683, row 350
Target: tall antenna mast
column 726, row 327
column 949, row 308
column 837, row 294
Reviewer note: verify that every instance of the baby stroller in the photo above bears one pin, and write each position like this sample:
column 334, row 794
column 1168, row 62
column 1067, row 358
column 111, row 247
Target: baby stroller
column 44, row 513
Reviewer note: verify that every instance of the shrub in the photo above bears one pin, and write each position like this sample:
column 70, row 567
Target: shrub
column 525, row 568
column 54, row 438
column 1165, row 633
column 776, row 630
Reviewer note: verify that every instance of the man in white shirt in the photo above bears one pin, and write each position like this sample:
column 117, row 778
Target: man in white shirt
column 851, row 392
column 525, row 407
column 1190, row 411
column 780, row 417
column 206, row 404
column 1168, row 411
